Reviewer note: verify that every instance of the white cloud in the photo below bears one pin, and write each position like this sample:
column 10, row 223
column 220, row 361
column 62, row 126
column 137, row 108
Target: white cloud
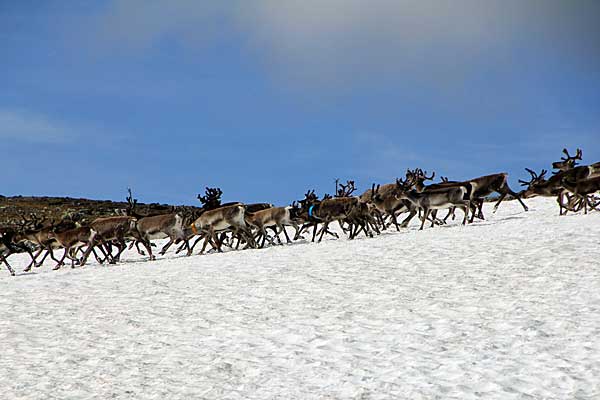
column 355, row 42
column 26, row 126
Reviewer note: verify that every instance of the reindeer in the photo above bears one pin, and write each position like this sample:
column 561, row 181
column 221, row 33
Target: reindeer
column 72, row 240
column 538, row 185
column 385, row 199
column 341, row 209
column 111, row 230
column 228, row 218
column 305, row 212
column 582, row 188
column 5, row 251
column 479, row 188
column 277, row 217
column 162, row 226
column 38, row 235
column 433, row 200
column 361, row 216
column 8, row 247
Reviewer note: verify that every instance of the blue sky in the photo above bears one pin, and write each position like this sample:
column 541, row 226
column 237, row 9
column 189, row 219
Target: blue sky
column 266, row 99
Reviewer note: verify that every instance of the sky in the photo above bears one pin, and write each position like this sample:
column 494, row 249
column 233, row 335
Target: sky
column 267, row 99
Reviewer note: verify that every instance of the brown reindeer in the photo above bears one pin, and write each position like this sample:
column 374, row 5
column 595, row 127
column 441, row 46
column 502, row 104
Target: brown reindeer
column 111, row 230
column 38, row 235
column 72, row 240
column 432, row 200
column 229, row 218
column 538, row 185
column 160, row 227
column 582, row 188
column 477, row 189
column 277, row 217
column 385, row 199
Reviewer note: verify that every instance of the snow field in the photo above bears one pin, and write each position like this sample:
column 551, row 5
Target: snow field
column 506, row 308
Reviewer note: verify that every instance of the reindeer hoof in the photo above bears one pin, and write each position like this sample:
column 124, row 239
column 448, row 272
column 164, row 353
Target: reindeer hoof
column 152, row 258
column 55, row 268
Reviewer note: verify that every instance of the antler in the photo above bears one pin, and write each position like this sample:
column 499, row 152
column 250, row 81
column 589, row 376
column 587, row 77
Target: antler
column 403, row 184
column 346, row 190
column 578, row 155
column 534, row 177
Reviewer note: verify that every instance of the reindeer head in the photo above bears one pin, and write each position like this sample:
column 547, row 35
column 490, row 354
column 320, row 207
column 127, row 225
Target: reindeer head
column 567, row 162
column 403, row 185
column 375, row 195
column 309, row 198
column 417, row 177
column 533, row 182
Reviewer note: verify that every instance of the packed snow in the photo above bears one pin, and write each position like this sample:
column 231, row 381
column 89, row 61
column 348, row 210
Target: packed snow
column 507, row 308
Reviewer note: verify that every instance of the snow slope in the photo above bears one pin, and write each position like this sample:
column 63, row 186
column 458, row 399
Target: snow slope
column 507, row 308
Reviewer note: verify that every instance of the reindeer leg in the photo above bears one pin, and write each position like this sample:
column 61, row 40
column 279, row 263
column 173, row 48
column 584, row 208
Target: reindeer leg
column 473, row 208
column 410, row 216
column 507, row 190
column 281, row 227
column 61, row 262
column 166, row 246
column 323, row 230
column 33, row 258
column 187, row 245
column 314, row 232
column 5, row 261
column 137, row 246
column 206, row 239
column 43, row 258
column 298, row 231
column 395, row 221
column 148, row 247
column 263, row 233
column 97, row 257
column 466, row 209
column 198, row 239
column 423, row 219
column 450, row 212
column 121, row 246
column 560, row 203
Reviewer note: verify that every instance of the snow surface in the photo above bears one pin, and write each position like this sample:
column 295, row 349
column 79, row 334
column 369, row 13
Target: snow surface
column 507, row 308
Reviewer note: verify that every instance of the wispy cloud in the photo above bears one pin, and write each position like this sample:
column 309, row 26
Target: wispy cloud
column 335, row 42
column 26, row 126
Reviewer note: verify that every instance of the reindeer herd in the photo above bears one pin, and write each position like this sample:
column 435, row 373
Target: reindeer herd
column 238, row 225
